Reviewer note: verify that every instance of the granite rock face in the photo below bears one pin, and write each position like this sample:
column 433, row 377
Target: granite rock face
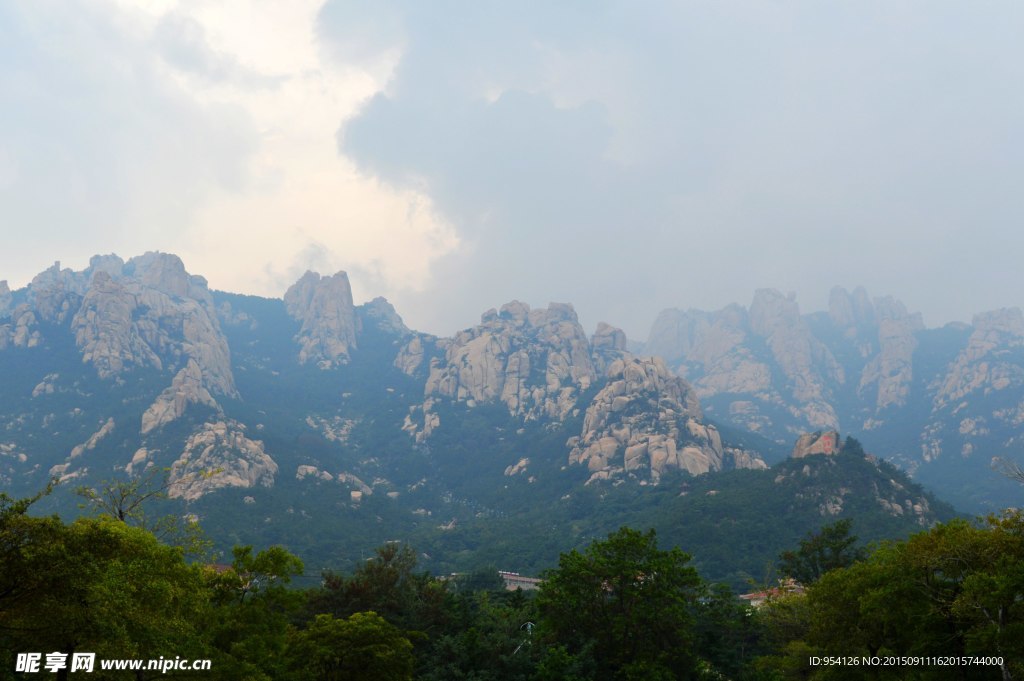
column 884, row 334
column 186, row 388
column 6, row 298
column 867, row 365
column 607, row 345
column 220, row 455
column 980, row 392
column 643, row 421
column 646, row 421
column 534, row 361
column 808, row 368
column 985, row 365
column 381, row 314
column 775, row 371
column 147, row 312
column 329, row 323
column 764, row 360
column 151, row 313
column 820, row 442
column 21, row 330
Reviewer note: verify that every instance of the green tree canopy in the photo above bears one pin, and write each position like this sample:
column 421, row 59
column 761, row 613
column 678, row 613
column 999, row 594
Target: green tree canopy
column 363, row 647
column 831, row 547
column 627, row 603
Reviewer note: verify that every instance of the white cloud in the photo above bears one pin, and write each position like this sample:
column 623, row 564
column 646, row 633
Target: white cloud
column 202, row 128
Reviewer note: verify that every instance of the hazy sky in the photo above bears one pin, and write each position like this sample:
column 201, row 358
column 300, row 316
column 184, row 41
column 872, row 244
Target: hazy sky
column 622, row 156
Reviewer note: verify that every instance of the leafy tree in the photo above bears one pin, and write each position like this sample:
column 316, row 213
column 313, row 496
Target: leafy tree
column 974, row 578
column 490, row 637
column 363, row 647
column 729, row 636
column 253, row 610
column 100, row 586
column 18, row 532
column 389, row 585
column 627, row 602
column 127, row 501
column 830, row 548
column 251, row 575
column 957, row 589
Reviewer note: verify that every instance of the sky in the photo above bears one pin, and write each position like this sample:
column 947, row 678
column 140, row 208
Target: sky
column 452, row 156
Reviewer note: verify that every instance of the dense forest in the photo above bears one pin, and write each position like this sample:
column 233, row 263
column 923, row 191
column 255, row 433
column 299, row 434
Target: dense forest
column 947, row 603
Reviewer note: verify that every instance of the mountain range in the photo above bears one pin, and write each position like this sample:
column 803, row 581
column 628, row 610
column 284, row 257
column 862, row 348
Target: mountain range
column 942, row 403
column 326, row 425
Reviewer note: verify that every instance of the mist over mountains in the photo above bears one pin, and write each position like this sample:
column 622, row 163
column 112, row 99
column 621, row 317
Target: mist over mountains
column 312, row 412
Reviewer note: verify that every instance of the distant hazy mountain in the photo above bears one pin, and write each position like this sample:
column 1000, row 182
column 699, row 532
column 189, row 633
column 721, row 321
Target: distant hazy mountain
column 941, row 403
column 331, row 427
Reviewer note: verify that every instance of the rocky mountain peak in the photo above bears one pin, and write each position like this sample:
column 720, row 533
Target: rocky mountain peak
column 771, row 311
column 607, row 345
column 695, row 335
column 54, row 293
column 148, row 312
column 984, row 365
column 646, row 421
column 329, row 324
column 608, row 337
column 163, row 272
column 820, row 442
column 1002, row 325
column 848, row 310
column 381, row 314
column 110, row 263
column 6, row 298
column 535, row 361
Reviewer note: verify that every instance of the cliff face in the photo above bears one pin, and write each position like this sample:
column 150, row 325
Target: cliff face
column 220, row 455
column 144, row 313
column 988, row 362
column 827, row 443
column 646, row 421
column 643, row 421
column 534, row 361
column 124, row 318
column 764, row 359
column 777, row 371
column 919, row 395
column 142, row 345
column 329, row 323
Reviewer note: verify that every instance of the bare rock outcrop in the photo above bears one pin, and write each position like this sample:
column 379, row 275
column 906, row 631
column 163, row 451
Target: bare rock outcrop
column 186, row 388
column 985, row 364
column 766, row 358
column 644, row 422
column 55, row 293
column 21, row 330
column 149, row 312
column 411, row 356
column 883, row 333
column 607, row 345
column 93, row 440
column 106, row 330
column 6, row 298
column 534, row 361
column 806, row 363
column 820, row 442
column 887, row 376
column 850, row 311
column 381, row 314
column 220, row 455
column 329, row 323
